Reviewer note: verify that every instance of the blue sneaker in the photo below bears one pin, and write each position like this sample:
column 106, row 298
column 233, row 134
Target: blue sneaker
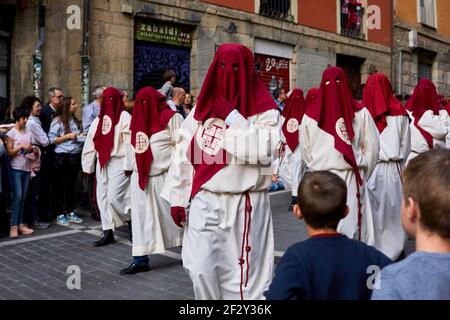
column 62, row 221
column 73, row 218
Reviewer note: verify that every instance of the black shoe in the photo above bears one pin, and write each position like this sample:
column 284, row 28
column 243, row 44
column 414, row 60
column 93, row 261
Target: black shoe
column 134, row 268
column 39, row 225
column 106, row 238
column 291, row 207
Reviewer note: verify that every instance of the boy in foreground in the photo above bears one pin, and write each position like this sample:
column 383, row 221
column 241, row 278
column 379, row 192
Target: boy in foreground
column 328, row 265
column 424, row 274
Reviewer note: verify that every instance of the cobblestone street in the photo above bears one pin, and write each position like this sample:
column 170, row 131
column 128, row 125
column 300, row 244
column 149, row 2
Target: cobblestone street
column 36, row 267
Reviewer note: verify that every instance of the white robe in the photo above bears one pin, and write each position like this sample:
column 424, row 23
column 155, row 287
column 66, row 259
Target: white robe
column 214, row 231
column 436, row 125
column 113, row 186
column 292, row 168
column 152, row 226
column 319, row 153
column 385, row 187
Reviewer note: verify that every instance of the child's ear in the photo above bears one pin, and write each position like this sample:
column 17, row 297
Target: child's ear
column 413, row 210
column 297, row 212
column 346, row 212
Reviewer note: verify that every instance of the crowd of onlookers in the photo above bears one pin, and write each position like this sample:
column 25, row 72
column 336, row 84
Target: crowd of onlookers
column 40, row 157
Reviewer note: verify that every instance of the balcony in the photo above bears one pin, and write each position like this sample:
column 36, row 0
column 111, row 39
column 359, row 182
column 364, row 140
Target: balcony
column 352, row 17
column 276, row 9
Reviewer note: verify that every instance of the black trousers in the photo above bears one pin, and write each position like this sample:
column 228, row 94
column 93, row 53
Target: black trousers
column 45, row 189
column 66, row 169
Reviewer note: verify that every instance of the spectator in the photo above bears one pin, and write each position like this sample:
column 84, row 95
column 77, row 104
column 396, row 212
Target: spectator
column 63, row 134
column 280, row 97
column 129, row 106
column 424, row 275
column 327, row 266
column 55, row 96
column 277, row 184
column 176, row 103
column 20, row 152
column 91, row 111
column 40, row 139
column 126, row 96
column 188, row 104
column 169, row 80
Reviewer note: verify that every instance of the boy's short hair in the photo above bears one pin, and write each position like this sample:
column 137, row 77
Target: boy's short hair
column 19, row 113
column 426, row 179
column 322, row 198
column 168, row 75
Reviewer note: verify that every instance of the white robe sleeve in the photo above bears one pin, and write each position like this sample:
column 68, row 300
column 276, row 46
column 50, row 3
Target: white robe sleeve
column 174, row 125
column 305, row 139
column 253, row 143
column 405, row 144
column 125, row 137
column 436, row 125
column 371, row 140
column 178, row 185
column 89, row 154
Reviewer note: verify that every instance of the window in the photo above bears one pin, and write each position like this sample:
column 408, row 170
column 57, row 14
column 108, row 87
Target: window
column 427, row 12
column 352, row 17
column 277, row 9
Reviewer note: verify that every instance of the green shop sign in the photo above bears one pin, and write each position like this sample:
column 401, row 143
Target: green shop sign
column 157, row 31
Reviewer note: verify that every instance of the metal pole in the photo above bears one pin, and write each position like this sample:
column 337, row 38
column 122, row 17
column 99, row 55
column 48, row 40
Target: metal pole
column 400, row 70
column 85, row 55
column 37, row 57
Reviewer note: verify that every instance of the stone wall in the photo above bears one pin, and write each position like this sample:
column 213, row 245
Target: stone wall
column 429, row 40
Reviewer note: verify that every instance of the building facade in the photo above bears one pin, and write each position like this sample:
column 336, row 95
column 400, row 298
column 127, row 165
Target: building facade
column 130, row 43
column 422, row 44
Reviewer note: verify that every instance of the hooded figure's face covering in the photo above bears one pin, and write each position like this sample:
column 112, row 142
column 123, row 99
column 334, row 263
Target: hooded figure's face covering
column 229, row 72
column 232, row 75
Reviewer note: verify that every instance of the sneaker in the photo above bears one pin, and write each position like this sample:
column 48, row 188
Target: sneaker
column 73, row 218
column 62, row 221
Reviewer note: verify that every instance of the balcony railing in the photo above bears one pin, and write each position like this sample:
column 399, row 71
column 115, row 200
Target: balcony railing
column 276, row 9
column 352, row 14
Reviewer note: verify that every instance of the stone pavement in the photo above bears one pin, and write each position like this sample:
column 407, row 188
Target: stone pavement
column 35, row 267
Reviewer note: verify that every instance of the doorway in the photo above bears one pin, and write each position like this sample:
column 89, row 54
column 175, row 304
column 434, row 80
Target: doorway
column 352, row 67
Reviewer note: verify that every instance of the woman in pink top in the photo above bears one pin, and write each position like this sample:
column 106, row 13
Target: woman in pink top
column 20, row 152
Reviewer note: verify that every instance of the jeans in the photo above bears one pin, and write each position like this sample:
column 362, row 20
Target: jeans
column 141, row 261
column 21, row 180
column 277, row 186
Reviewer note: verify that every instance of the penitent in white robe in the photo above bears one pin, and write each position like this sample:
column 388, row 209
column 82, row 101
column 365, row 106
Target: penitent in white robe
column 437, row 126
column 385, row 187
column 214, row 233
column 152, row 226
column 292, row 167
column 113, row 186
column 319, row 154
